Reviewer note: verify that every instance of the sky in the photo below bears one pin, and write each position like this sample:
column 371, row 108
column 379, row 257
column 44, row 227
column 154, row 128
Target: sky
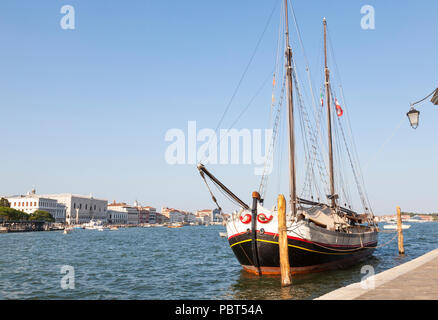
column 86, row 110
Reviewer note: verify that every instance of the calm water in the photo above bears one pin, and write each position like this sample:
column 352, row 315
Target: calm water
column 162, row 263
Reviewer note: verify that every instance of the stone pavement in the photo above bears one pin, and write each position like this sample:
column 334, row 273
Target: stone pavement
column 414, row 280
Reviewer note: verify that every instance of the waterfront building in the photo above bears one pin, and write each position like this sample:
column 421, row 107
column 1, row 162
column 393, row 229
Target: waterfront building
column 165, row 211
column 216, row 215
column 81, row 209
column 132, row 212
column 117, row 217
column 189, row 217
column 147, row 215
column 160, row 218
column 176, row 216
column 202, row 213
column 32, row 202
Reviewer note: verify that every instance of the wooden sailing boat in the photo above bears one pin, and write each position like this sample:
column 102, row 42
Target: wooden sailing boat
column 320, row 236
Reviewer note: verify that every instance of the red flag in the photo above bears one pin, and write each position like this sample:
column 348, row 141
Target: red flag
column 339, row 110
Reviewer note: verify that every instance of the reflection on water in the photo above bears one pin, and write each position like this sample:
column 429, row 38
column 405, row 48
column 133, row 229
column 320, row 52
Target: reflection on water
column 162, row 263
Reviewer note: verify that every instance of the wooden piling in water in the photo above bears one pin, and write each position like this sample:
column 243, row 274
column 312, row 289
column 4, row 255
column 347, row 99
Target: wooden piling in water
column 282, row 243
column 401, row 249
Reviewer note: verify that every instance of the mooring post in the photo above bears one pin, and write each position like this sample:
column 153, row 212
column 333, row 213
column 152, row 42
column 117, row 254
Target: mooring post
column 401, row 249
column 255, row 254
column 283, row 244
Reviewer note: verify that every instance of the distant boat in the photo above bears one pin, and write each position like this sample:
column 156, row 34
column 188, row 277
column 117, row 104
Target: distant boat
column 94, row 225
column 223, row 234
column 416, row 220
column 175, row 225
column 68, row 230
column 394, row 226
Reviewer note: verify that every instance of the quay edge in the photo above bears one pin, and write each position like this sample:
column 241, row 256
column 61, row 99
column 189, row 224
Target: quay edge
column 386, row 286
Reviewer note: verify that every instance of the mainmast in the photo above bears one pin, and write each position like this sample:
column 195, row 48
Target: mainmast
column 332, row 195
column 292, row 170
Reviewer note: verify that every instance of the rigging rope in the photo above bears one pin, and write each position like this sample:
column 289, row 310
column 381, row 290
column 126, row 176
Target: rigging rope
column 245, row 71
column 353, row 158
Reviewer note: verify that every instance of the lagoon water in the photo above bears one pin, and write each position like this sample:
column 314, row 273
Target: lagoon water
column 161, row 263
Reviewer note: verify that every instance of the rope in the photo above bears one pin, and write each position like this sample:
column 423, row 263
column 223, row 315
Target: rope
column 270, row 153
column 246, row 70
column 354, row 158
column 211, row 193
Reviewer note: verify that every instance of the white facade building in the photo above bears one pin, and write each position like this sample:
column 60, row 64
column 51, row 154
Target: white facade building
column 81, row 209
column 117, row 217
column 131, row 212
column 176, row 216
column 190, row 218
column 32, row 202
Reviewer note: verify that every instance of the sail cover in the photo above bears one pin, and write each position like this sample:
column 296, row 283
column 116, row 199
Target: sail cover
column 323, row 217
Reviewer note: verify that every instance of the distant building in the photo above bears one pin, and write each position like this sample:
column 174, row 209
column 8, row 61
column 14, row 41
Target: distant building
column 203, row 213
column 190, row 217
column 176, row 216
column 216, row 215
column 207, row 216
column 148, row 215
column 132, row 212
column 173, row 215
column 117, row 217
column 81, row 209
column 160, row 218
column 165, row 211
column 32, row 202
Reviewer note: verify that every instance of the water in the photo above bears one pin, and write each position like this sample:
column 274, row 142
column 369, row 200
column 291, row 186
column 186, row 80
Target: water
column 161, row 263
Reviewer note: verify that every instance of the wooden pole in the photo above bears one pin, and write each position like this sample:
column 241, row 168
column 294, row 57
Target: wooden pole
column 290, row 99
column 329, row 121
column 401, row 249
column 282, row 243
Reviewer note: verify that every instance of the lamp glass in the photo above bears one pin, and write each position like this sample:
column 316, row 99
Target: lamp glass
column 414, row 118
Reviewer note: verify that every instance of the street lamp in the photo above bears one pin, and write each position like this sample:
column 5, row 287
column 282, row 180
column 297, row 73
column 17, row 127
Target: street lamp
column 414, row 115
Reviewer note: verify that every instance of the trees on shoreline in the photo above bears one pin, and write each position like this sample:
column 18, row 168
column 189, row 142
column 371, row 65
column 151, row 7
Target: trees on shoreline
column 9, row 214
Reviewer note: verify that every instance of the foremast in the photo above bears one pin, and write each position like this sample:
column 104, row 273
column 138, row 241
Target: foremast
column 292, row 168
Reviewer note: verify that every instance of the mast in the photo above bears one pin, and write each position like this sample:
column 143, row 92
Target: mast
column 292, row 170
column 329, row 121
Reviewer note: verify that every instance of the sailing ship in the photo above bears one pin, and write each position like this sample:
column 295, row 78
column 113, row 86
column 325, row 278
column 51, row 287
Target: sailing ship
column 322, row 235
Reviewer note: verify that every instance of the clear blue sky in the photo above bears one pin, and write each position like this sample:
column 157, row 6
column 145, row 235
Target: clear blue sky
column 86, row 110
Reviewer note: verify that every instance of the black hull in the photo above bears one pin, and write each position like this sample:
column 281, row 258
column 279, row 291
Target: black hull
column 304, row 256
